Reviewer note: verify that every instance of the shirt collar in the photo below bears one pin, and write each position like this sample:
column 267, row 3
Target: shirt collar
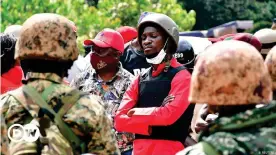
column 44, row 76
column 161, row 67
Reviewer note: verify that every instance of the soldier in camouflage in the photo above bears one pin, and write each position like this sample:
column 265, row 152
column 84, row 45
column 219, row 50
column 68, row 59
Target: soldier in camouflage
column 48, row 46
column 270, row 62
column 232, row 79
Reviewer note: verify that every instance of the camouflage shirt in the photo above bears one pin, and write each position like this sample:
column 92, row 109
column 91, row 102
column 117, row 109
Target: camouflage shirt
column 87, row 117
column 111, row 93
column 252, row 132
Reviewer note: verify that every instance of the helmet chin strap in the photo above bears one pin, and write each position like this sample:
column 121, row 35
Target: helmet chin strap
column 160, row 57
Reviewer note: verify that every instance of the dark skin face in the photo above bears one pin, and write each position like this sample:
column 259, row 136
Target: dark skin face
column 153, row 40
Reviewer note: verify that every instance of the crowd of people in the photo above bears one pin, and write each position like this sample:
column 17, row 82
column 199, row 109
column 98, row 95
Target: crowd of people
column 139, row 91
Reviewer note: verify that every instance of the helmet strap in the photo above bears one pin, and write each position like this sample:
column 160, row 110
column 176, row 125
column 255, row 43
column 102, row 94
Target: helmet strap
column 167, row 60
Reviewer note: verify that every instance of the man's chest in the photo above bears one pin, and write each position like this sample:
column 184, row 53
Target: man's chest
column 110, row 93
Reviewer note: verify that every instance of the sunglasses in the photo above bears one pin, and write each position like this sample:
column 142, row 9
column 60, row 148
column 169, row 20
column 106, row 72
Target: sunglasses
column 102, row 52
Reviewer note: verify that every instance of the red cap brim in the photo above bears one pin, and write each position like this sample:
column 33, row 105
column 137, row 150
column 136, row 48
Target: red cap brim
column 96, row 42
column 100, row 43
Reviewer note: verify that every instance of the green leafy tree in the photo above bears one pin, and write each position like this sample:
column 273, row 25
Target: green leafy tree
column 211, row 13
column 91, row 16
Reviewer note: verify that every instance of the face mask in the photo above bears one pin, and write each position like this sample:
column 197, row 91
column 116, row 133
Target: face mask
column 100, row 63
column 152, row 59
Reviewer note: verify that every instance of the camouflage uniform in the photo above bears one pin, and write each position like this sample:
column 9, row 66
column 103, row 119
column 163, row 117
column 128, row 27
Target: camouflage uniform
column 50, row 36
column 239, row 135
column 270, row 62
column 233, row 73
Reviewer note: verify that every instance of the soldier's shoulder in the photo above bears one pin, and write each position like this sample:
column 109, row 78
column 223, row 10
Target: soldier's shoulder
column 252, row 116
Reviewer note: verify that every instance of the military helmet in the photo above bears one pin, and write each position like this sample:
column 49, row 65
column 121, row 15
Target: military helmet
column 165, row 22
column 270, row 62
column 268, row 39
column 47, row 36
column 230, row 73
column 185, row 54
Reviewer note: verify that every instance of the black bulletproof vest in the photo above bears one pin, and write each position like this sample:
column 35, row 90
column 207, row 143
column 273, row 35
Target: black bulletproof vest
column 152, row 92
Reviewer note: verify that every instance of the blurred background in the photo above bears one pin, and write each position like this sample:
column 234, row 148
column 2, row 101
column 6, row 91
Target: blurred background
column 192, row 16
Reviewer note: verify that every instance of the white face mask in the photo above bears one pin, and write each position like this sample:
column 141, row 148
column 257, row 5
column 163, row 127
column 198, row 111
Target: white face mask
column 160, row 57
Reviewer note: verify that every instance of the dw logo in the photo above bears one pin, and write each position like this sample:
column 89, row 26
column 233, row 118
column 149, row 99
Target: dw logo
column 28, row 133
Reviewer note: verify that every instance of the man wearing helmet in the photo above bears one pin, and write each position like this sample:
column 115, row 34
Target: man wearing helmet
column 133, row 59
column 201, row 117
column 270, row 62
column 268, row 39
column 232, row 79
column 69, row 122
column 155, row 105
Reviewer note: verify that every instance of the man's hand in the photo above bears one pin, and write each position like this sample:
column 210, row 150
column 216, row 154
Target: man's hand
column 204, row 119
column 130, row 112
column 167, row 100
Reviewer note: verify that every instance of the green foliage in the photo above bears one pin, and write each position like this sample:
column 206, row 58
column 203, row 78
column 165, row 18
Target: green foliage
column 212, row 13
column 262, row 13
column 129, row 11
column 90, row 19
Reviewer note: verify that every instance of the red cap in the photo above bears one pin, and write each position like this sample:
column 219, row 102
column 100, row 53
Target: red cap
column 107, row 38
column 128, row 33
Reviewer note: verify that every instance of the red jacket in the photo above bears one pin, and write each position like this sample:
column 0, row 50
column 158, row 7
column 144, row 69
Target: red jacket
column 12, row 79
column 143, row 118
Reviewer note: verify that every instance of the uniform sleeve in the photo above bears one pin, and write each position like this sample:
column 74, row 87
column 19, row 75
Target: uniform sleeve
column 4, row 131
column 172, row 111
column 91, row 116
column 4, row 137
column 11, row 112
column 122, row 121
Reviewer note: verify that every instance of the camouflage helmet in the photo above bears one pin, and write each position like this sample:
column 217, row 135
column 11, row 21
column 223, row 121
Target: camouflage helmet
column 230, row 73
column 165, row 22
column 47, row 36
column 270, row 62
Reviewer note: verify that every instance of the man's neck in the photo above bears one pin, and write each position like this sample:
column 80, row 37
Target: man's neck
column 107, row 75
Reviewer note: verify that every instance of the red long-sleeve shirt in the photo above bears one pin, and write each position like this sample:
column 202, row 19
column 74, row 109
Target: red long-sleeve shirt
column 143, row 118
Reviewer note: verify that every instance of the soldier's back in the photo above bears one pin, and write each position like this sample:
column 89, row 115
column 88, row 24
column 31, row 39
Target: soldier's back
column 252, row 132
column 86, row 117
